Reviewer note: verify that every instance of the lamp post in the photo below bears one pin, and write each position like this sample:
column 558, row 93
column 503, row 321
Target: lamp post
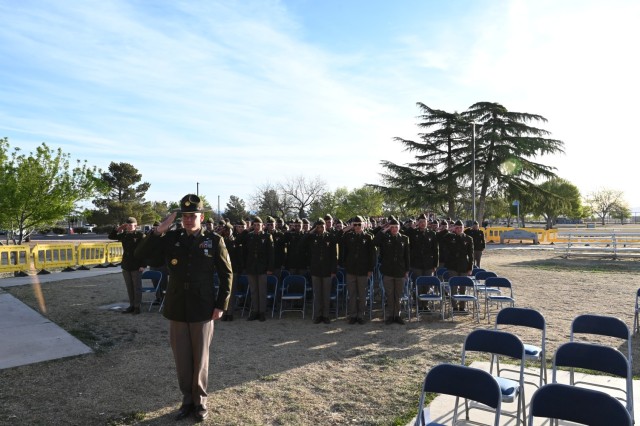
column 473, row 173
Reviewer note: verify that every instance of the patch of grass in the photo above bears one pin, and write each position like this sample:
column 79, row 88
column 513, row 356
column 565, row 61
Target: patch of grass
column 127, row 419
column 269, row 378
column 382, row 360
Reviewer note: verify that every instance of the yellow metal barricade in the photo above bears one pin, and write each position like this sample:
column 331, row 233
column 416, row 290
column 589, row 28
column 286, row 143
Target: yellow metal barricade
column 493, row 234
column 91, row 254
column 15, row 258
column 54, row 256
column 114, row 253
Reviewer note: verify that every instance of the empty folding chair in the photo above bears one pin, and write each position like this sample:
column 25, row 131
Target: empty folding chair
column 600, row 358
column 498, row 292
column 602, row 325
column 152, row 279
column 514, row 318
column 468, row 295
column 294, row 290
column 440, row 273
column 579, row 405
column 429, row 294
column 272, row 292
column 501, row 343
column 462, row 382
column 480, row 277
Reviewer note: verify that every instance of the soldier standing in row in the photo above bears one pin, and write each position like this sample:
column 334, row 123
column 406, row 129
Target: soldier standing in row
column 424, row 249
column 132, row 265
column 258, row 263
column 394, row 265
column 359, row 257
column 320, row 247
column 478, row 242
column 459, row 260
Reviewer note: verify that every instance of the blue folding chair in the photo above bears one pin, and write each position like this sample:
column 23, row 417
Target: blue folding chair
column 240, row 294
column 602, row 325
column 462, row 382
column 515, row 318
column 429, row 293
column 468, row 295
column 501, row 343
column 579, row 405
column 294, row 290
column 595, row 357
column 153, row 277
column 497, row 292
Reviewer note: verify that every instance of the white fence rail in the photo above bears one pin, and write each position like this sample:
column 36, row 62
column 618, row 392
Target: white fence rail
column 602, row 244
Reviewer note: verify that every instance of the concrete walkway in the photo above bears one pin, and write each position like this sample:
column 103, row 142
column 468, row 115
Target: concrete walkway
column 441, row 408
column 26, row 337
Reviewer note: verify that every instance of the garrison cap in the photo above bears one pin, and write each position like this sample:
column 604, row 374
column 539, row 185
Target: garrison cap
column 328, row 217
column 256, row 220
column 320, row 221
column 458, row 223
column 132, row 219
column 393, row 221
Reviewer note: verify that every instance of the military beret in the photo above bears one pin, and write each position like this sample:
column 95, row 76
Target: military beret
column 393, row 221
column 458, row 223
column 131, row 220
column 256, row 220
column 241, row 222
column 320, row 221
column 328, row 217
column 443, row 222
column 270, row 219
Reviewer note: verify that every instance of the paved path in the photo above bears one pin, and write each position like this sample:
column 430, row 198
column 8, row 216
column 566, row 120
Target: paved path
column 26, row 337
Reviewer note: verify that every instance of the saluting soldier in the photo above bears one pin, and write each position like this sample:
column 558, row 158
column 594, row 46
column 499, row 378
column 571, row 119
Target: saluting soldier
column 192, row 255
column 323, row 262
column 258, row 263
column 296, row 260
column 424, row 249
column 132, row 265
column 394, row 265
column 459, row 260
column 443, row 231
column 359, row 256
column 279, row 246
column 478, row 242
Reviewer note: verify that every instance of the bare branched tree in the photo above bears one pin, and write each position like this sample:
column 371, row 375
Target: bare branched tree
column 302, row 192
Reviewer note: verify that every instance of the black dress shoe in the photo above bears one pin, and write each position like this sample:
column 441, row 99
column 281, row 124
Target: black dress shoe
column 252, row 317
column 398, row 320
column 318, row 320
column 136, row 311
column 261, row 317
column 128, row 310
column 229, row 317
column 389, row 321
column 353, row 320
column 200, row 413
column 360, row 321
column 326, row 320
column 184, row 411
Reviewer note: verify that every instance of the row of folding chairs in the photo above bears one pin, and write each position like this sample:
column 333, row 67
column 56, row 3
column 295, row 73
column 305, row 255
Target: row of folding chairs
column 583, row 354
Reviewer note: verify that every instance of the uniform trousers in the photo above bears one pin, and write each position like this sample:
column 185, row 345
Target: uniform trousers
column 134, row 286
column 258, row 289
column 190, row 343
column 393, row 290
column 357, row 288
column 477, row 255
column 321, row 296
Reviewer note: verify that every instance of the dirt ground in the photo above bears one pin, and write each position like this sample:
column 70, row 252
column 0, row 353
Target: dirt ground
column 289, row 371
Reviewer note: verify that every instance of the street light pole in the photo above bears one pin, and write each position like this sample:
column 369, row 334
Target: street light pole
column 473, row 174
column 198, row 189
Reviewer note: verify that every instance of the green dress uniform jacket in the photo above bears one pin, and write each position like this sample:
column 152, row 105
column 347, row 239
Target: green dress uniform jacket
column 296, row 257
column 478, row 238
column 359, row 253
column 424, row 248
column 459, row 252
column 279, row 249
column 394, row 254
column 129, row 241
column 258, row 252
column 192, row 262
column 322, row 252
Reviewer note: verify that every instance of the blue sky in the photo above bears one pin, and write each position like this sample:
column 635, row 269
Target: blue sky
column 237, row 94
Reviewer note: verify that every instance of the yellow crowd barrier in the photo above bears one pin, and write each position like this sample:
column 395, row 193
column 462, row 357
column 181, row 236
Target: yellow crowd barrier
column 53, row 256
column 91, row 254
column 114, row 253
column 15, row 258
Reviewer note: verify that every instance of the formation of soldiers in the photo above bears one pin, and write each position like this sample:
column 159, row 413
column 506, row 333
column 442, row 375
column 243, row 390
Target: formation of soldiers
column 358, row 248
